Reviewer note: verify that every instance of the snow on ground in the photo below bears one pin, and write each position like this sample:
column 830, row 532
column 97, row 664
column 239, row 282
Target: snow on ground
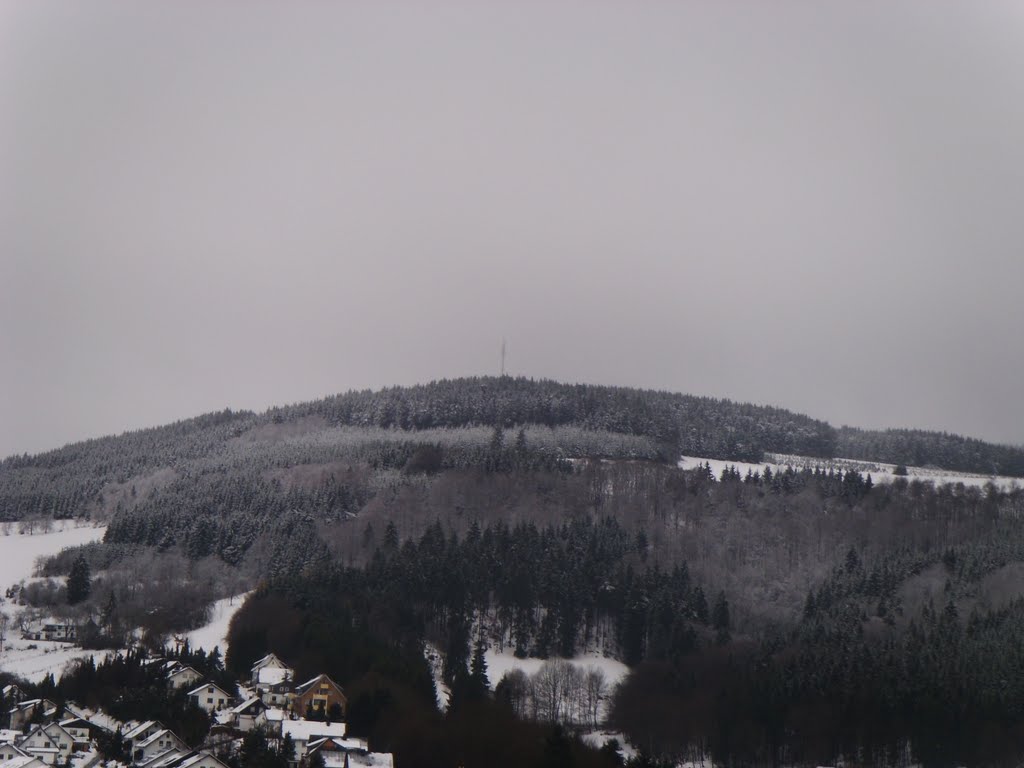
column 19, row 551
column 879, row 471
column 598, row 739
column 500, row 662
column 215, row 633
column 34, row 659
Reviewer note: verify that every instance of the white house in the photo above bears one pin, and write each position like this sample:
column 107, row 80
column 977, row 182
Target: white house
column 179, row 676
column 304, row 731
column 51, row 743
column 155, row 744
column 210, row 697
column 140, row 732
column 249, row 714
column 270, row 670
column 8, row 751
column 25, row 761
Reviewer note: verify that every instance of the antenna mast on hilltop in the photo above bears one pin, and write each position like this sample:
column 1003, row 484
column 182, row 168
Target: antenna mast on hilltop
column 503, row 357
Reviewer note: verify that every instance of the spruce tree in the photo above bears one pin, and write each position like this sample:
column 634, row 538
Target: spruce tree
column 79, row 581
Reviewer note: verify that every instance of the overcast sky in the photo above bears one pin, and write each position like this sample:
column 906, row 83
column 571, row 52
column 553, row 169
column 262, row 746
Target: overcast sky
column 813, row 205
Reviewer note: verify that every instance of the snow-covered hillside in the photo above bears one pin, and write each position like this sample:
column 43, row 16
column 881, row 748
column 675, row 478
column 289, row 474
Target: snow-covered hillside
column 215, row 634
column 879, row 471
column 33, row 659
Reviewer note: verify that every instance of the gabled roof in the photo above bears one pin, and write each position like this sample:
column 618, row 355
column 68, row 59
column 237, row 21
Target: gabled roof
column 177, row 669
column 23, row 761
column 267, row 660
column 183, row 759
column 345, row 745
column 161, row 734
column 202, row 689
column 254, row 701
column 167, row 757
column 301, row 689
column 141, row 728
column 17, row 750
column 9, row 736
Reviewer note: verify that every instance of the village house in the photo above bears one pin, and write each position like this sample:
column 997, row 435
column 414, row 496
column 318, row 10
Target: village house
column 139, row 732
column 270, row 670
column 25, row 711
column 276, row 694
column 24, row 761
column 347, row 753
column 81, row 730
column 155, row 744
column 52, row 630
column 210, row 697
column 9, row 751
column 249, row 714
column 51, row 743
column 321, row 694
column 179, row 676
column 304, row 731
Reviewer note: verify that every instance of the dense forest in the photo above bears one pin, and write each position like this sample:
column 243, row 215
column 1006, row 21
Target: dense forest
column 769, row 616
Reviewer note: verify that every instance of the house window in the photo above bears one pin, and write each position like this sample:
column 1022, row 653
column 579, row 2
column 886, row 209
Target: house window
column 209, row 700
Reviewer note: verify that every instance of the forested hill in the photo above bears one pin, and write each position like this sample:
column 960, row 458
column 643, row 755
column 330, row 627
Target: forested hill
column 660, row 425
column 698, row 426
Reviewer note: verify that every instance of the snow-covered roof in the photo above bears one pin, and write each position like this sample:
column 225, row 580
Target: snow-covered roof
column 273, row 675
column 22, row 761
column 304, row 730
column 248, row 703
column 372, row 759
column 349, row 744
column 139, row 729
column 161, row 734
column 202, row 689
column 274, row 714
column 8, row 736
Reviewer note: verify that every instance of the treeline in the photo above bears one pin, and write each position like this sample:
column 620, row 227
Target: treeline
column 945, row 692
column 699, row 426
column 941, row 449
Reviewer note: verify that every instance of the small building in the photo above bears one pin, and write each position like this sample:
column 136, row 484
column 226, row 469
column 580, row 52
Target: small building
column 51, row 743
column 82, row 730
column 249, row 714
column 139, row 733
column 25, row 711
column 321, row 694
column 210, row 697
column 304, row 731
column 179, row 676
column 270, row 671
column 276, row 694
column 25, row 761
column 52, row 630
column 157, row 743
column 8, row 751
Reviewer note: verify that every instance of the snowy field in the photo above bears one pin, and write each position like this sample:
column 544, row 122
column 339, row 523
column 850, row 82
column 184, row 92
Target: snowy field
column 33, row 659
column 19, row 551
column 498, row 663
column 215, row 633
column 880, row 472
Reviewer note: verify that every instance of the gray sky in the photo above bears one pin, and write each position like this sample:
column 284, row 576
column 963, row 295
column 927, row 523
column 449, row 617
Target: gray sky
column 814, row 205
